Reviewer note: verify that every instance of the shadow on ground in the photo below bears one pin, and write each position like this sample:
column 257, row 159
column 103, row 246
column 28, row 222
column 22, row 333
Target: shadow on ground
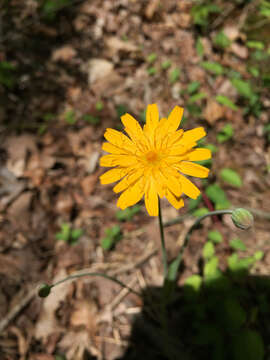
column 215, row 319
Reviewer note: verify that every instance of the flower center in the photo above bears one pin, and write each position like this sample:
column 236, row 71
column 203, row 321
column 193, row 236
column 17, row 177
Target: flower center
column 152, row 156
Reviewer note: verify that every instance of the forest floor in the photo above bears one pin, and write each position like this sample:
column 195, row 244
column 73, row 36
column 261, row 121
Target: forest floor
column 65, row 76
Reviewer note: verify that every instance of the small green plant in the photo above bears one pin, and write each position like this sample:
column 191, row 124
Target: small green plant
column 121, row 110
column 201, row 11
column 215, row 236
column 196, row 97
column 213, row 67
column 68, row 234
column 113, row 235
column 217, row 196
column 193, row 87
column 225, row 134
column 128, row 213
column 70, row 117
column 221, row 40
column 224, row 100
column 91, row 119
column 237, row 244
column 50, row 8
column 166, row 64
column 152, row 71
column 231, row 177
column 99, row 105
column 7, row 74
column 199, row 47
column 174, row 75
column 151, row 58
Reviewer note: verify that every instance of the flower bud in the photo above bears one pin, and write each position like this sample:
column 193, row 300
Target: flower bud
column 44, row 290
column 242, row 218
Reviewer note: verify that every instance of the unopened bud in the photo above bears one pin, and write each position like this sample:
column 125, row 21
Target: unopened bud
column 242, row 218
column 44, row 290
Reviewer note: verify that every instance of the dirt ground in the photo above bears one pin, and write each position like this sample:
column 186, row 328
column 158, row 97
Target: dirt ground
column 74, row 75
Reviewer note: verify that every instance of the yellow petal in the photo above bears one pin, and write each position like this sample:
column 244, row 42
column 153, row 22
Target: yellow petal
column 112, row 175
column 174, row 201
column 199, row 154
column 110, row 148
column 171, row 179
column 175, row 118
column 135, row 132
column 131, row 178
column 117, row 160
column 193, row 135
column 152, row 119
column 118, row 139
column 131, row 196
column 189, row 188
column 151, row 198
column 193, row 169
column 174, row 137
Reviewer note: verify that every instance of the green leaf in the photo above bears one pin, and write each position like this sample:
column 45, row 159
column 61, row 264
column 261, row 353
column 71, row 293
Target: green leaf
column 193, row 203
column 225, row 133
column 222, row 40
column 70, row 117
column 248, row 345
column 99, row 105
column 199, row 47
column 192, row 286
column 208, row 250
column 121, row 110
column 213, row 67
column 152, row 71
column 93, row 120
column 211, row 267
column 76, row 234
column 218, row 196
column 243, row 87
column 193, row 86
column 107, row 243
column 152, row 58
column 215, row 236
column 128, row 213
column 237, row 244
column 223, row 100
column 174, row 75
column 258, row 255
column 240, row 266
column 197, row 97
column 213, row 148
column 233, row 315
column 253, row 70
column 255, row 45
column 64, row 234
column 166, row 64
column 231, row 177
column 200, row 212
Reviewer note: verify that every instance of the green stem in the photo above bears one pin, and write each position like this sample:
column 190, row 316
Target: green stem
column 76, row 276
column 176, row 263
column 163, row 248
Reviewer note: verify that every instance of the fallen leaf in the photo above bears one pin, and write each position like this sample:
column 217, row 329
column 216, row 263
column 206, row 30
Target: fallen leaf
column 47, row 323
column 64, row 53
column 239, row 50
column 84, row 314
column 151, row 8
column 98, row 69
column 213, row 111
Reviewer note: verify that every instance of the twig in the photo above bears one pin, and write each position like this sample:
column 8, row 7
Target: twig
column 17, row 308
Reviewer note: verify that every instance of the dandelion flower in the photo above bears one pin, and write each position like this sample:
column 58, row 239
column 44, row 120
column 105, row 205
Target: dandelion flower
column 152, row 161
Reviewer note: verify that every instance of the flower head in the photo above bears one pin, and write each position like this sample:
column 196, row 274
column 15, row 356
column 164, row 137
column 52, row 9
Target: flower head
column 152, row 161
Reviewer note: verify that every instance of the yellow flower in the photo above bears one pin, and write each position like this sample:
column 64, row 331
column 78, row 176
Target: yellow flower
column 151, row 161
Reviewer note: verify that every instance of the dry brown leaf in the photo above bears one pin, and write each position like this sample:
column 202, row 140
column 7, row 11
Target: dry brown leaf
column 74, row 344
column 22, row 343
column 151, row 8
column 239, row 50
column 98, row 69
column 84, row 315
column 64, row 53
column 47, row 323
column 213, row 111
column 19, row 210
column 115, row 45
